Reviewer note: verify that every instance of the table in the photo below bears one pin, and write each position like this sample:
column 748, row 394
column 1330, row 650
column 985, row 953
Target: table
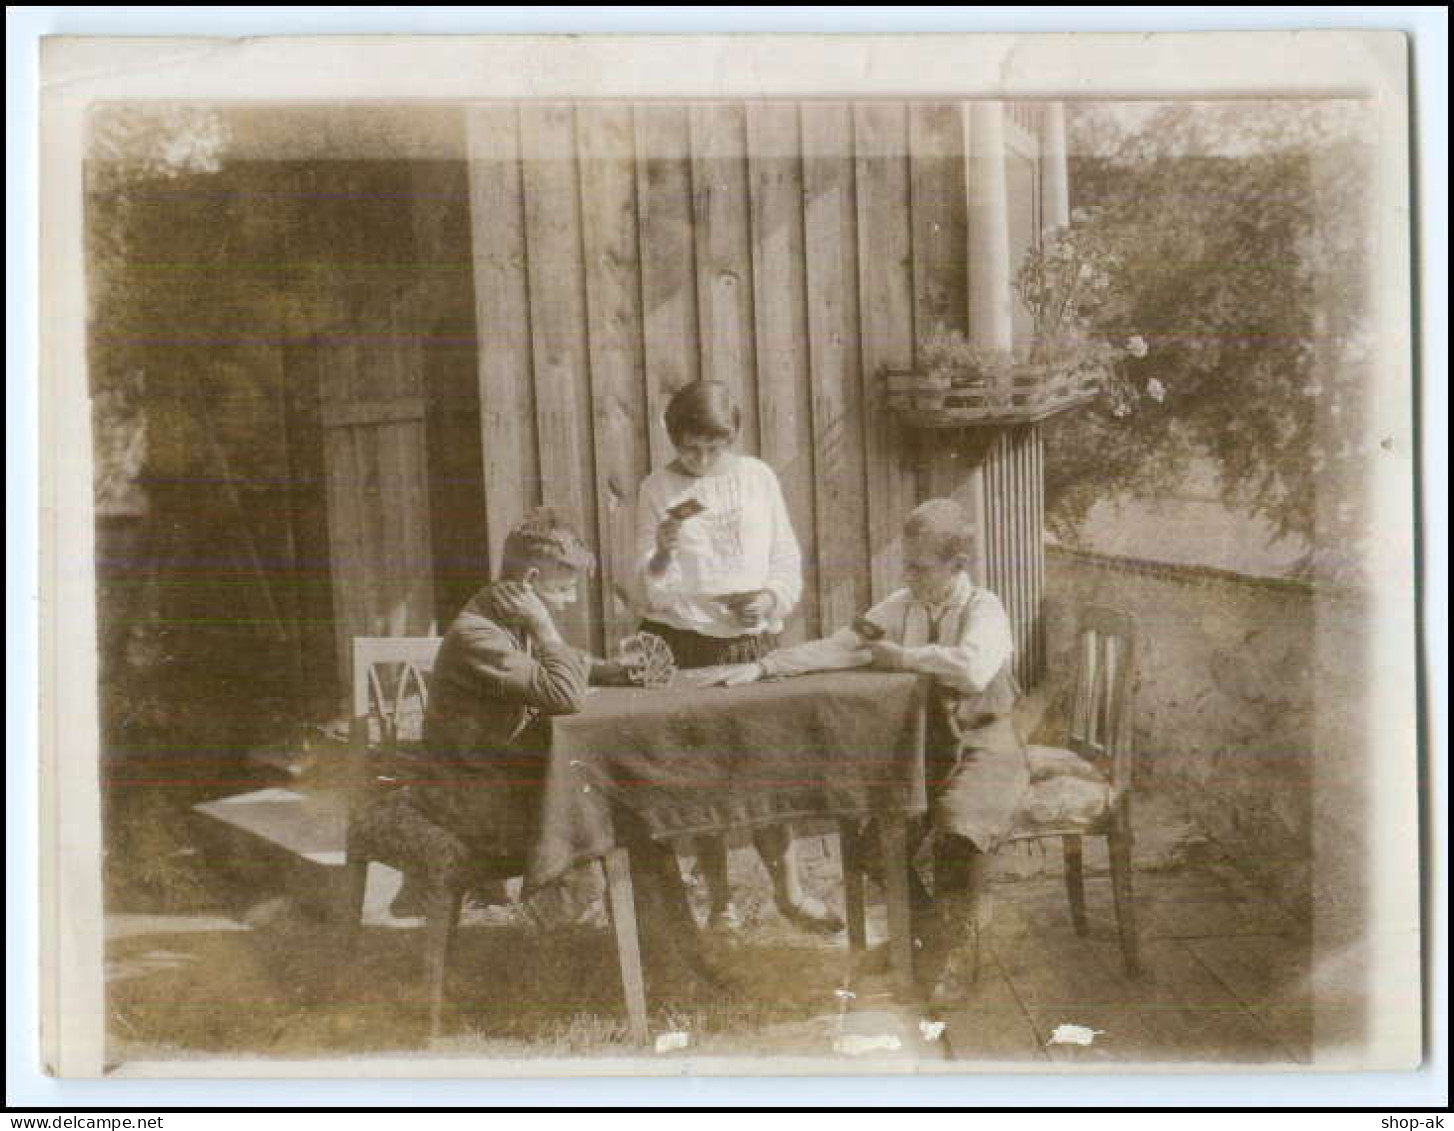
column 704, row 760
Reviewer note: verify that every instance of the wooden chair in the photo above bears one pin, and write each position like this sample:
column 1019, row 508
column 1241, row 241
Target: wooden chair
column 390, row 696
column 1083, row 789
column 390, row 689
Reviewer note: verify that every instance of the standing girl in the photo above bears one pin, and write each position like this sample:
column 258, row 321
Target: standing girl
column 719, row 571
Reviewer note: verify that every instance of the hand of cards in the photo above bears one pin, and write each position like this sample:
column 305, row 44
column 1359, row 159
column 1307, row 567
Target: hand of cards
column 647, row 660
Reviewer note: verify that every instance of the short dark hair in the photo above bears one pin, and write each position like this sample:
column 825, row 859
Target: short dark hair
column 703, row 408
column 542, row 538
column 944, row 525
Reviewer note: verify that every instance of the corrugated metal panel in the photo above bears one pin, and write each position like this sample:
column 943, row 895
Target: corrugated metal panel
column 1014, row 518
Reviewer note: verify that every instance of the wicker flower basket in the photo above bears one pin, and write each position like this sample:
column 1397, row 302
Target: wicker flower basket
column 1019, row 393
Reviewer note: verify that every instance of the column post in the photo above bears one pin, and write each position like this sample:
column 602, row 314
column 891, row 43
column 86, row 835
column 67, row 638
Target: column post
column 988, row 252
column 1054, row 168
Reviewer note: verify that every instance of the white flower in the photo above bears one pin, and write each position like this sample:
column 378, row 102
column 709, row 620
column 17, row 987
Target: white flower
column 1136, row 345
column 1121, row 410
column 1155, row 390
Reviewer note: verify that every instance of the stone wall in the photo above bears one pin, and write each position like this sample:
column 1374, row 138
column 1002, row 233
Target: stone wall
column 1245, row 689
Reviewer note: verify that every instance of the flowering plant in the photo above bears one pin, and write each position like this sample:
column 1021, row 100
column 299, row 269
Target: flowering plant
column 951, row 357
column 951, row 361
column 1065, row 284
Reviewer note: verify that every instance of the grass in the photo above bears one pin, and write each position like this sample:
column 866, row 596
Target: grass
column 286, row 989
column 284, row 986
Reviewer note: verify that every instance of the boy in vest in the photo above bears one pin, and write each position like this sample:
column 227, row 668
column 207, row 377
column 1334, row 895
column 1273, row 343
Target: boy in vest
column 941, row 624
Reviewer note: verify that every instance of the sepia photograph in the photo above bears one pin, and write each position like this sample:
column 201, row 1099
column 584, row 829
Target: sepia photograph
column 761, row 580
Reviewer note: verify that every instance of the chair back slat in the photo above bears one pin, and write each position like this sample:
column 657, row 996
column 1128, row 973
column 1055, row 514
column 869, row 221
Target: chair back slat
column 375, row 700
column 1100, row 714
column 1085, row 677
column 413, row 675
column 390, row 677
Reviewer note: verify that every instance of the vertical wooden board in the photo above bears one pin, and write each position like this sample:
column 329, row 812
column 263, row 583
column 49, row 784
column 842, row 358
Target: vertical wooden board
column 988, row 225
column 374, row 377
column 939, row 218
column 308, row 515
column 351, row 371
column 337, row 348
column 724, row 255
column 558, row 334
column 511, row 465
column 778, row 275
column 413, row 589
column 618, row 389
column 345, row 547
column 936, row 148
column 405, row 485
column 398, row 350
column 390, row 526
column 368, row 498
column 886, row 316
column 449, row 376
column 668, row 262
column 830, row 230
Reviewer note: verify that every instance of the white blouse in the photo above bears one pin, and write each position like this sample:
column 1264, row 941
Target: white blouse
column 743, row 541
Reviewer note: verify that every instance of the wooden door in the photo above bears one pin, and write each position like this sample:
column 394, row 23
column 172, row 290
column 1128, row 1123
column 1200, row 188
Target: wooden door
column 376, row 471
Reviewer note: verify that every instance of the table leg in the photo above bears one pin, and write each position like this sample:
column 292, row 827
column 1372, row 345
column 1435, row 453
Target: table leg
column 617, row 865
column 853, row 908
column 895, row 835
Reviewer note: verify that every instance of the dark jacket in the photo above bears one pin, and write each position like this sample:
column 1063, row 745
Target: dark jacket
column 483, row 733
column 491, row 682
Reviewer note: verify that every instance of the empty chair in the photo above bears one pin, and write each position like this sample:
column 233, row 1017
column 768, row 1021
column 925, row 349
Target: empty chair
column 1083, row 788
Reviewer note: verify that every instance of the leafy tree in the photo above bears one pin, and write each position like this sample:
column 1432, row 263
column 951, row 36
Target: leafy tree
column 189, row 295
column 1237, row 244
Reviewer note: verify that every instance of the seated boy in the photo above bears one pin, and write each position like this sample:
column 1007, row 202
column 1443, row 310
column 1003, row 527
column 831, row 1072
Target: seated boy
column 941, row 624
column 501, row 671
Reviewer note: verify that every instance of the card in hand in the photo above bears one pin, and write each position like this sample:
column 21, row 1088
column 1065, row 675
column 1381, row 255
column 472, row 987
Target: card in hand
column 868, row 630
column 687, row 508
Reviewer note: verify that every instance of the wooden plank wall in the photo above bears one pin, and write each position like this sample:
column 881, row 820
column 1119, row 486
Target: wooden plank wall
column 779, row 268
column 789, row 249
